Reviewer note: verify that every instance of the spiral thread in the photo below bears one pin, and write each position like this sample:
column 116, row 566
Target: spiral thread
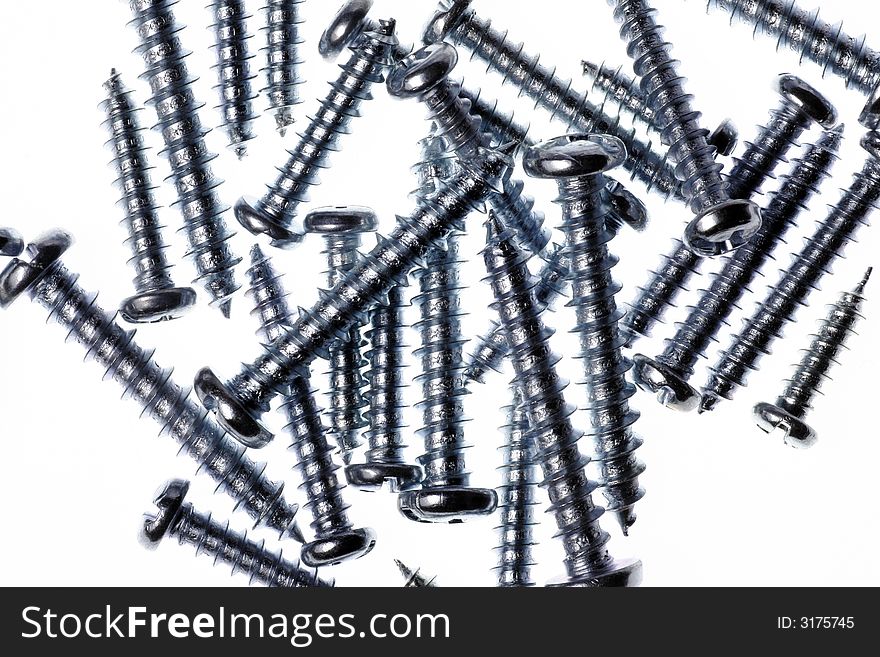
column 750, row 171
column 794, row 287
column 502, row 126
column 555, row 439
column 516, row 500
column 151, row 386
column 813, row 39
column 441, row 378
column 621, row 92
column 234, row 76
column 268, row 296
column 371, row 57
column 616, row 467
column 731, row 283
column 435, row 166
column 132, row 167
column 243, row 555
column 188, row 155
column 826, row 345
column 282, row 59
column 414, row 578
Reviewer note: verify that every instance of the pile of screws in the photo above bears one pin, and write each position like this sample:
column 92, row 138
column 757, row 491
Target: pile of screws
column 358, row 323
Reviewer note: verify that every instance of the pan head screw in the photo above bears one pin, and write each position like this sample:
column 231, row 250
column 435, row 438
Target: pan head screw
column 11, row 244
column 350, row 21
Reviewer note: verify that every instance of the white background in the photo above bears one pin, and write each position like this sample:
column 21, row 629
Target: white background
column 725, row 504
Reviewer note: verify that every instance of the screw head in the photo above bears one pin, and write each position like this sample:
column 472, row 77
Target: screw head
column 451, row 504
column 372, row 476
column 574, row 155
column 871, row 143
column 672, row 391
column 622, row 573
column 11, row 243
column 724, row 138
column 157, row 305
column 422, row 70
column 810, row 101
column 252, row 215
column 338, row 547
column 229, row 412
column 870, row 115
column 341, row 219
column 346, row 26
column 19, row 276
column 723, row 228
column 795, row 432
column 169, row 500
column 445, row 21
column 626, row 208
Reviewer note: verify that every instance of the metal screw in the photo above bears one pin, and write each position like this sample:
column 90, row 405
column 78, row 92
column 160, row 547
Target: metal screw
column 176, row 518
column 234, row 72
column 239, row 403
column 350, row 23
column 802, row 31
column 157, row 297
column 795, row 284
column 185, row 148
column 721, row 223
column 274, row 213
column 800, row 106
column 342, row 228
column 460, row 25
column 282, row 59
column 445, row 494
column 667, row 376
column 414, row 578
column 11, row 243
column 269, row 297
column 516, row 499
column 789, row 412
column 587, row 560
column 48, row 283
column 578, row 163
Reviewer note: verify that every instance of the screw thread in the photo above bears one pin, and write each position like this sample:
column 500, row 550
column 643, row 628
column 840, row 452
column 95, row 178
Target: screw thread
column 220, row 541
column 185, row 148
column 266, row 290
column 622, row 92
column 282, row 59
column 721, row 298
column 414, row 578
column 436, row 166
column 794, row 287
column 813, row 39
column 502, row 126
column 517, row 210
column 371, row 56
column 151, row 386
column 132, row 166
column 234, row 72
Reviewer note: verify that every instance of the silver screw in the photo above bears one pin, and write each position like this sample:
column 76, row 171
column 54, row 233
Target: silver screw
column 790, row 410
column 157, row 297
column 668, row 375
column 273, row 214
column 234, row 76
column 48, row 283
column 282, row 59
column 176, row 518
column 587, row 560
column 414, row 578
column 189, row 157
column 802, row 31
column 800, row 106
column 795, row 283
column 578, row 163
column 239, row 403
column 11, row 243
column 351, row 21
column 269, row 298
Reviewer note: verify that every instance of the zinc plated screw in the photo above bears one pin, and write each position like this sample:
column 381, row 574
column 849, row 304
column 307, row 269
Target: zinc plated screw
column 802, row 31
column 350, row 22
column 460, row 25
column 176, row 518
column 11, row 243
column 185, row 148
column 157, row 297
column 414, row 578
column 797, row 282
column 234, row 76
column 668, row 375
column 239, row 403
column 273, row 214
column 578, row 164
column 799, row 107
column 48, row 283
column 281, row 65
column 341, row 228
column 790, row 410
column 587, row 560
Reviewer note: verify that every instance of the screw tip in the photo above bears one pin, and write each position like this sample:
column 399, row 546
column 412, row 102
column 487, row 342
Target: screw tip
column 226, row 308
column 861, row 286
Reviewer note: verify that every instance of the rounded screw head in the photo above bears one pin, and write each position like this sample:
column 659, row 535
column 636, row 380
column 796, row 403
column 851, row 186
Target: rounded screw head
column 722, row 228
column 795, row 432
column 346, row 25
column 11, row 243
column 342, row 546
column 672, row 391
column 445, row 21
column 422, row 70
column 157, row 305
column 19, row 276
column 622, row 573
column 229, row 412
column 574, row 155
column 169, row 500
column 251, row 215
column 811, row 102
column 871, row 143
column 626, row 208
column 372, row 476
column 451, row 504
column 724, row 138
column 341, row 219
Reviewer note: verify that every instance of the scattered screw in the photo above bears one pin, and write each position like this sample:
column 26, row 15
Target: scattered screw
column 157, row 297
column 48, row 283
column 282, row 59
column 274, row 213
column 269, row 297
column 185, row 148
column 11, row 243
column 795, row 284
column 351, row 21
column 668, row 375
column 791, row 407
column 176, row 518
column 414, row 579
